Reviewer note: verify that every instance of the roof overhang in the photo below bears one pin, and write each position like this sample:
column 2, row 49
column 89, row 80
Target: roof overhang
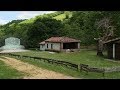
column 112, row 41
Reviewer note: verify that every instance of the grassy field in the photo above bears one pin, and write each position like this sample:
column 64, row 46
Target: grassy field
column 84, row 56
column 7, row 72
column 60, row 17
column 63, row 16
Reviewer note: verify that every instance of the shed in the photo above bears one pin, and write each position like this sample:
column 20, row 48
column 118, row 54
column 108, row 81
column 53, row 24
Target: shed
column 113, row 48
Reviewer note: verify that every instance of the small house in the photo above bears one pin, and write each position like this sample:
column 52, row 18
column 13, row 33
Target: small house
column 60, row 44
column 113, row 48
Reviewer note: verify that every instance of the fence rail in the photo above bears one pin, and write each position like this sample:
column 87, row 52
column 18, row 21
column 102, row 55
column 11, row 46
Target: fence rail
column 87, row 68
column 113, row 69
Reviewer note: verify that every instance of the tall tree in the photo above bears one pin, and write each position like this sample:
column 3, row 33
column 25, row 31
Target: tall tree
column 107, row 32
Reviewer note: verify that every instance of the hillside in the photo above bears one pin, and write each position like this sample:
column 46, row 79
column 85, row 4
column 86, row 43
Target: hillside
column 82, row 25
column 63, row 16
column 60, row 17
column 56, row 15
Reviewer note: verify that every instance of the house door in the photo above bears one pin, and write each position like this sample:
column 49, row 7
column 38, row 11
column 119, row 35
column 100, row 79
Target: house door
column 51, row 46
column 117, row 51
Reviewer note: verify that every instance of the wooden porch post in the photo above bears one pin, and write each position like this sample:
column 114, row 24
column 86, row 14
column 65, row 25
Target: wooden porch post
column 61, row 46
column 113, row 51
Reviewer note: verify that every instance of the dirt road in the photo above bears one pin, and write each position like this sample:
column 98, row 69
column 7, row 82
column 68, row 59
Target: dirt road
column 33, row 72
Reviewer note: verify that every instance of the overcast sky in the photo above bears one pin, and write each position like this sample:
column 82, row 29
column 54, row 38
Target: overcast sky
column 6, row 16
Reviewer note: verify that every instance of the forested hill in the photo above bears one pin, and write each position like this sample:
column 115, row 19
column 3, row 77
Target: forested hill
column 81, row 25
column 61, row 15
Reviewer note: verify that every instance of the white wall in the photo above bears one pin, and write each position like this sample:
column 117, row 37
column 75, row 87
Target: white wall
column 78, row 45
column 42, row 47
column 56, row 46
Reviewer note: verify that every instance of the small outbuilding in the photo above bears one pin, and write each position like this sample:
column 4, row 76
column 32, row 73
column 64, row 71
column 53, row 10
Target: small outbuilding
column 60, row 44
column 113, row 48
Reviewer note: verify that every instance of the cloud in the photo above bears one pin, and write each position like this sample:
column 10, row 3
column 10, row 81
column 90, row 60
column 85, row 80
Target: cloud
column 3, row 21
column 6, row 17
column 31, row 14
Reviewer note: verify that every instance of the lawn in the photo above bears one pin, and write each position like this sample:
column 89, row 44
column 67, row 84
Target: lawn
column 84, row 56
column 7, row 72
column 60, row 17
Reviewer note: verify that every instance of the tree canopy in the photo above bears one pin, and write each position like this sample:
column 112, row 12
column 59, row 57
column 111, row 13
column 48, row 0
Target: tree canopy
column 82, row 25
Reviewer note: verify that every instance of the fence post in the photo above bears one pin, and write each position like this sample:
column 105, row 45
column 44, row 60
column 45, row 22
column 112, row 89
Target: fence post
column 80, row 68
column 103, row 72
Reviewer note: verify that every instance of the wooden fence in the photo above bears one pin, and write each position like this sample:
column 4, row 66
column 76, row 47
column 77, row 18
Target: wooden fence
column 82, row 67
column 86, row 68
column 112, row 69
column 51, row 61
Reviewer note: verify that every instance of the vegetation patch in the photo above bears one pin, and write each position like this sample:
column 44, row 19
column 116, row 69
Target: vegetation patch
column 82, row 57
column 7, row 72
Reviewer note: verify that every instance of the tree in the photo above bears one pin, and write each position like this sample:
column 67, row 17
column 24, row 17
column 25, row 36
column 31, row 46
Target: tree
column 81, row 26
column 42, row 29
column 105, row 25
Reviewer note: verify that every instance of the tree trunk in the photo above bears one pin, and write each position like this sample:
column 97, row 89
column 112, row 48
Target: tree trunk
column 100, row 48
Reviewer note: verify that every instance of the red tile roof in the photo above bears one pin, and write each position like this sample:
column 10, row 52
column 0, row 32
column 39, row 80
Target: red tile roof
column 42, row 42
column 61, row 39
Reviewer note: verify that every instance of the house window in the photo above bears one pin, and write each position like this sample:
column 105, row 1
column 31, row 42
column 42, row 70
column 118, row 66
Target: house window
column 47, row 45
column 51, row 46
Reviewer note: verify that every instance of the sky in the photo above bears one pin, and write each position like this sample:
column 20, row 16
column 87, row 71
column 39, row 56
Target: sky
column 7, row 16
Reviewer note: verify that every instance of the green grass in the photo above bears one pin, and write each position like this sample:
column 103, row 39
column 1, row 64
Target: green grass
column 7, row 72
column 84, row 56
column 60, row 17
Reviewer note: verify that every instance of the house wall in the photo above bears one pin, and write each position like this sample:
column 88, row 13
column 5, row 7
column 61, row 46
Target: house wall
column 56, row 46
column 42, row 47
column 110, row 51
column 117, row 51
column 78, row 45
